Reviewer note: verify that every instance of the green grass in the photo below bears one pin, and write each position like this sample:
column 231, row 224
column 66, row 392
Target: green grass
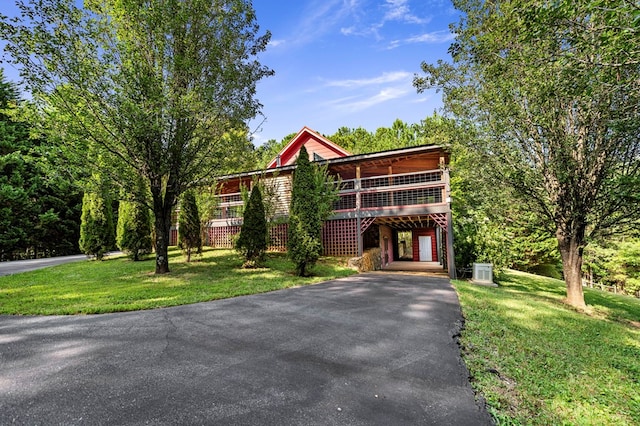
column 538, row 361
column 119, row 284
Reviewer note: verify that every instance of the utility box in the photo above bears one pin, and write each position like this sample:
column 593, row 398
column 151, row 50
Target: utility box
column 483, row 273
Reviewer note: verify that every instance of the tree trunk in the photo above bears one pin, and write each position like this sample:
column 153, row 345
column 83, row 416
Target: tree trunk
column 162, row 206
column 570, row 247
column 163, row 230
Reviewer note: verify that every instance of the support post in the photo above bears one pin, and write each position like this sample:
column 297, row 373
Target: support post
column 451, row 261
column 358, row 218
column 451, row 258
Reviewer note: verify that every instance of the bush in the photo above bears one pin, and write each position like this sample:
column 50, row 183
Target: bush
column 133, row 234
column 96, row 227
column 252, row 241
column 189, row 235
column 304, row 248
column 305, row 244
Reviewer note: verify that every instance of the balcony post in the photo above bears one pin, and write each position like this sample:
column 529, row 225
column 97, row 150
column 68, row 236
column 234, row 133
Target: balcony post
column 451, row 261
column 357, row 187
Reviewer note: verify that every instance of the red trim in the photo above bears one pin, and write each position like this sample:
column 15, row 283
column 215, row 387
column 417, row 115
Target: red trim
column 400, row 205
column 424, row 232
column 303, row 136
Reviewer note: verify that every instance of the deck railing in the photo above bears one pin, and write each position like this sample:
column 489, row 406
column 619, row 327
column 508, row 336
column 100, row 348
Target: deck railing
column 392, row 190
column 426, row 187
column 229, row 206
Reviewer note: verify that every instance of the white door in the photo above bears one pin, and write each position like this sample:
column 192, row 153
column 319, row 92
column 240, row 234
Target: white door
column 424, row 244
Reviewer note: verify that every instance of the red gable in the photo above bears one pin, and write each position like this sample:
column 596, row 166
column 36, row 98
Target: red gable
column 319, row 148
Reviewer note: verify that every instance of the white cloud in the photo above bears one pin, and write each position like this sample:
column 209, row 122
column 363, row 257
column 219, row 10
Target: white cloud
column 276, row 43
column 398, row 10
column 387, row 77
column 382, row 96
column 321, row 17
column 435, row 37
column 362, row 93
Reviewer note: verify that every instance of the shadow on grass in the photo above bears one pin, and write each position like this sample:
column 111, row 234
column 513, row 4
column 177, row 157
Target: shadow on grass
column 537, row 361
column 119, row 284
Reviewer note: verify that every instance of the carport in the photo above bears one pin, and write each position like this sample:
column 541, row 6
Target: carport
column 410, row 243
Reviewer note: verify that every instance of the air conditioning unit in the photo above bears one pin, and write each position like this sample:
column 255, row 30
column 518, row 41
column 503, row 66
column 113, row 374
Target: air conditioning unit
column 483, row 273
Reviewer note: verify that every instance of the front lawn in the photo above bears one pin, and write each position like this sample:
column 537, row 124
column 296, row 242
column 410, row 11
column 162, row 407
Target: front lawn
column 119, row 284
column 538, row 361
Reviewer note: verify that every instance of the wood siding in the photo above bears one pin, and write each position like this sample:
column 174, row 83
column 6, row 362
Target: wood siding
column 280, row 187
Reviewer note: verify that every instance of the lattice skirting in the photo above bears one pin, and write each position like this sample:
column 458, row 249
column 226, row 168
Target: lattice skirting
column 340, row 237
column 222, row 236
column 278, row 237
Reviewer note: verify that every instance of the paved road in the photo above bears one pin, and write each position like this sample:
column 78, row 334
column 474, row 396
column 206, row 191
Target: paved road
column 17, row 266
column 374, row 349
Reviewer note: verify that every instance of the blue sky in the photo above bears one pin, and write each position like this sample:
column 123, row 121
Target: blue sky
column 343, row 62
column 348, row 62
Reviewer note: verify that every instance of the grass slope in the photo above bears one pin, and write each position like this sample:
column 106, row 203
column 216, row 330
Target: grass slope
column 119, row 284
column 538, row 361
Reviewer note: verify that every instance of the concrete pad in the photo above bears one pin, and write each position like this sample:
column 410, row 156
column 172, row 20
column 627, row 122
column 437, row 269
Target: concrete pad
column 373, row 349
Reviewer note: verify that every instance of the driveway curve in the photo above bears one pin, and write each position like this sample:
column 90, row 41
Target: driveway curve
column 19, row 266
column 371, row 349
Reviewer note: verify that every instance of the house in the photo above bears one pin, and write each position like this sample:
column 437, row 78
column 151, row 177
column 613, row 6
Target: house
column 396, row 200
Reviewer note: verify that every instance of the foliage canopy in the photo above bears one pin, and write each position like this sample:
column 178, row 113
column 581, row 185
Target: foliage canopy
column 552, row 91
column 154, row 85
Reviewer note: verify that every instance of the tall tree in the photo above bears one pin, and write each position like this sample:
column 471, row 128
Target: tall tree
column 305, row 226
column 155, row 84
column 252, row 241
column 553, row 91
column 133, row 231
column 39, row 203
column 97, row 233
column 189, row 232
column 313, row 192
column 16, row 207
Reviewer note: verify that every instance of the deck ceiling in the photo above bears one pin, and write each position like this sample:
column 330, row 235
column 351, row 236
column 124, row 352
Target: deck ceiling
column 406, row 223
column 380, row 166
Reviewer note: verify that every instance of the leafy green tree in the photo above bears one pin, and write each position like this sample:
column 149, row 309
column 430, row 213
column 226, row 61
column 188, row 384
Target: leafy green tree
column 189, row 235
column 615, row 263
column 252, row 241
column 133, row 232
column 39, row 203
column 155, row 84
column 16, row 208
column 267, row 151
column 551, row 90
column 312, row 194
column 356, row 141
column 433, row 130
column 97, row 233
column 305, row 226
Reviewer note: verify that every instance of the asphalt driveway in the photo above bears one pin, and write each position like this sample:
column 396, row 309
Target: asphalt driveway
column 19, row 266
column 373, row 349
